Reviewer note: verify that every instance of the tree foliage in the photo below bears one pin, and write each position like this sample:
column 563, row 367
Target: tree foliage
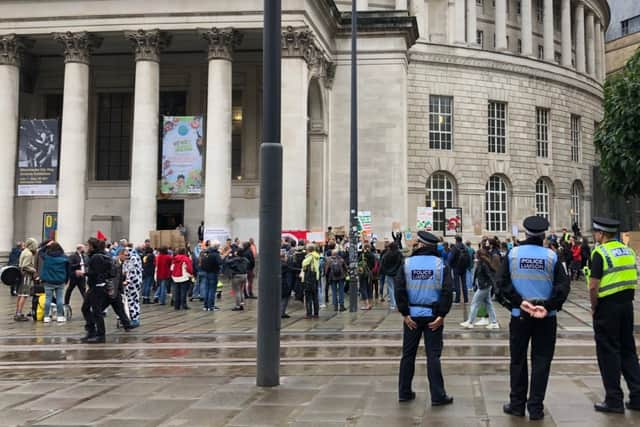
column 618, row 136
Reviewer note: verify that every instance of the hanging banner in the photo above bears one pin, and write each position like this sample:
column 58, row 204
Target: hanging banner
column 38, row 148
column 424, row 219
column 182, row 149
column 452, row 221
column 49, row 225
column 364, row 219
column 219, row 234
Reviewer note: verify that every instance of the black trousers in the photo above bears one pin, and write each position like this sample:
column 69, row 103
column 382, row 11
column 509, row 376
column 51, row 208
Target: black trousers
column 542, row 335
column 616, row 350
column 433, row 345
column 75, row 283
column 180, row 296
column 96, row 301
column 311, row 300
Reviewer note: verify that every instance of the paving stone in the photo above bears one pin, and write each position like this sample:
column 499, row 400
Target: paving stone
column 262, row 415
column 153, row 409
column 74, row 417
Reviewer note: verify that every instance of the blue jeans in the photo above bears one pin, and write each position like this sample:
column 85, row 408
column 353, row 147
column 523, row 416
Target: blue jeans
column 482, row 296
column 382, row 279
column 161, row 293
column 469, row 278
column 390, row 281
column 210, row 288
column 321, row 289
column 337, row 289
column 49, row 289
column 200, row 287
column 147, row 284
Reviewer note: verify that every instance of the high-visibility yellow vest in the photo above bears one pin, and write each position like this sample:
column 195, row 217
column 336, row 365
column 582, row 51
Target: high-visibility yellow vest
column 619, row 268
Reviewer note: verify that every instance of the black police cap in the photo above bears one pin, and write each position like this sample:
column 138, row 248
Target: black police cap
column 605, row 224
column 535, row 225
column 427, row 238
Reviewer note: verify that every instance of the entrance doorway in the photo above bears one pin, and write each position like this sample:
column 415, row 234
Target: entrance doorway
column 170, row 214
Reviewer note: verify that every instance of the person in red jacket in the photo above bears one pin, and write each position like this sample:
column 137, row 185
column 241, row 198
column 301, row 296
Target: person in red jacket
column 181, row 273
column 576, row 259
column 163, row 274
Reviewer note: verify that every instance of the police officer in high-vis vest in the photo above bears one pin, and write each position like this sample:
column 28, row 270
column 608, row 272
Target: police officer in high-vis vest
column 533, row 284
column 424, row 289
column 612, row 285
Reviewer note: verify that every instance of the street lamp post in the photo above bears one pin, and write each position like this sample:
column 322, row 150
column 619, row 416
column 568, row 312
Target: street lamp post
column 268, row 355
column 353, row 205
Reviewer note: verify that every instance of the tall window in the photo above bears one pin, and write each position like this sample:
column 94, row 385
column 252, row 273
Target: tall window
column 480, row 2
column 480, row 38
column 440, row 122
column 236, row 135
column 542, row 198
column 497, row 127
column 496, row 204
column 540, row 51
column 518, row 7
column 542, row 132
column 113, row 151
column 576, row 203
column 540, row 10
column 520, row 46
column 575, row 138
column 439, row 197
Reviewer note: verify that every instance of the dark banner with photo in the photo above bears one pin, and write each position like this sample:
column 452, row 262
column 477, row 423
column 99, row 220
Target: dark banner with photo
column 38, row 157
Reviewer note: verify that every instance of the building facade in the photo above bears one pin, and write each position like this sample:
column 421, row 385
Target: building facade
column 489, row 106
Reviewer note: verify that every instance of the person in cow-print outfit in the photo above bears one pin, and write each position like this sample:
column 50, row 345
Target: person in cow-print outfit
column 133, row 287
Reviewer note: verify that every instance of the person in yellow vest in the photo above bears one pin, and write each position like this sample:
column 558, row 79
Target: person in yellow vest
column 612, row 283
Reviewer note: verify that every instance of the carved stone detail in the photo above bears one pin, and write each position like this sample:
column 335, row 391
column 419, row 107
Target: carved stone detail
column 300, row 42
column 148, row 44
column 222, row 42
column 11, row 49
column 77, row 46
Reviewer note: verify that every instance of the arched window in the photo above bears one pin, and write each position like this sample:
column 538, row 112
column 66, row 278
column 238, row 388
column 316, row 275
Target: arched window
column 542, row 199
column 439, row 197
column 496, row 206
column 576, row 203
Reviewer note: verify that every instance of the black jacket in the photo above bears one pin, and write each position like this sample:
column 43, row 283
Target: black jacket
column 100, row 268
column 510, row 298
column 484, row 276
column 236, row 265
column 74, row 265
column 456, row 254
column 246, row 253
column 213, row 262
column 391, row 263
column 446, row 295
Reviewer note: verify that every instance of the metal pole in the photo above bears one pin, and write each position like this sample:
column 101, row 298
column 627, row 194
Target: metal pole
column 353, row 205
column 268, row 356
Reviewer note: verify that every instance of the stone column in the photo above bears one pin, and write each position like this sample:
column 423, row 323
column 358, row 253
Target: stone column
column 297, row 45
column 11, row 48
column 418, row 8
column 603, row 52
column 451, row 21
column 566, row 32
column 549, row 48
column 472, row 22
column 526, row 28
column 362, row 4
column 72, row 185
column 146, row 110
column 501, row 24
column 590, row 51
column 401, row 4
column 217, row 190
column 598, row 49
column 460, row 30
column 579, row 16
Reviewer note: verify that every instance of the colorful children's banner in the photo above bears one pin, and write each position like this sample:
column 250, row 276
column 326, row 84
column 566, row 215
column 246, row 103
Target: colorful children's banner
column 364, row 218
column 182, row 152
column 38, row 157
column 453, row 221
column 424, row 218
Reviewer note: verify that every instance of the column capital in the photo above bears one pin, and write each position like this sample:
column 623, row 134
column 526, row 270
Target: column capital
column 222, row 42
column 77, row 46
column 11, row 49
column 148, row 43
column 300, row 42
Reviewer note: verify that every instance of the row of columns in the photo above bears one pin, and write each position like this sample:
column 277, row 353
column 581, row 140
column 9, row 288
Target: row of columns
column 462, row 28
column 301, row 56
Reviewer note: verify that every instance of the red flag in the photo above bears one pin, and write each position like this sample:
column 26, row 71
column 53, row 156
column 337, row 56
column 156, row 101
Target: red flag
column 101, row 236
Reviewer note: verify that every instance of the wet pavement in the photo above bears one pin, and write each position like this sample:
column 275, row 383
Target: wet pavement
column 196, row 368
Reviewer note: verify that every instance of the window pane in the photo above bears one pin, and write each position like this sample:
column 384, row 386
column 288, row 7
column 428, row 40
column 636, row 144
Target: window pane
column 113, row 142
column 440, row 122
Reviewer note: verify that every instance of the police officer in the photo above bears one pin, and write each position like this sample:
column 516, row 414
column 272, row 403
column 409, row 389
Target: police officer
column 612, row 285
column 423, row 296
column 533, row 284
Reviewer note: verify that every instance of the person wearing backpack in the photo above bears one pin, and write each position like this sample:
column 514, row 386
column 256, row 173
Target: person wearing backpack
column 459, row 262
column 391, row 263
column 210, row 264
column 336, row 272
column 310, row 278
column 484, row 281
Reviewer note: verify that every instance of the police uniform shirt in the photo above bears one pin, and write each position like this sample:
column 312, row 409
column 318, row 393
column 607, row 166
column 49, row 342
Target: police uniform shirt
column 597, row 269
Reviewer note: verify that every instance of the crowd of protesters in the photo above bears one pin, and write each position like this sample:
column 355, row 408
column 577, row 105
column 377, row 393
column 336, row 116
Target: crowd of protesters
column 124, row 276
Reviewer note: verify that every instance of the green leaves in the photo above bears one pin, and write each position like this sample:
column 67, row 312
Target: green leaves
column 617, row 139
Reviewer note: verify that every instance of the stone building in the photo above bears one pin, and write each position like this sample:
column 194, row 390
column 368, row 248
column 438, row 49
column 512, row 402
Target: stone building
column 486, row 105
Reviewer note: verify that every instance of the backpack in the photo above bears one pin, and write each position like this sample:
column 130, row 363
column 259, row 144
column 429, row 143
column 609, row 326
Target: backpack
column 310, row 280
column 463, row 259
column 335, row 269
column 207, row 261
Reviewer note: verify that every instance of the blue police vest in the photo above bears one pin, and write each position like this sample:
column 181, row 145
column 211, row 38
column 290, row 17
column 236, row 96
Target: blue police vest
column 424, row 275
column 532, row 269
